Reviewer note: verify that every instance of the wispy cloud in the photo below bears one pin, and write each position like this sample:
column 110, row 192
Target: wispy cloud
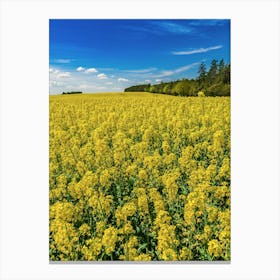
column 167, row 73
column 122, row 80
column 172, row 27
column 57, row 74
column 208, row 22
column 200, row 50
column 90, row 87
column 141, row 71
column 160, row 27
column 106, row 69
column 84, row 86
column 141, row 31
column 64, row 75
column 61, row 60
column 102, row 76
column 56, row 83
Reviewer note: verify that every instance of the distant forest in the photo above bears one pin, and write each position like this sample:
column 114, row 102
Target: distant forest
column 72, row 92
column 214, row 82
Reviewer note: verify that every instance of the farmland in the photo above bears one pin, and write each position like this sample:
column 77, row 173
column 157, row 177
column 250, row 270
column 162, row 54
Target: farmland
column 139, row 177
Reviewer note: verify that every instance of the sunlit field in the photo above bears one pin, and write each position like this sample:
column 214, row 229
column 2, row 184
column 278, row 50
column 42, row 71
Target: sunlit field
column 139, row 177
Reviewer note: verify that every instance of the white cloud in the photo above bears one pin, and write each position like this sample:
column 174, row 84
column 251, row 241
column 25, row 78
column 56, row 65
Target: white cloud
column 148, row 81
column 200, row 50
column 158, row 81
column 167, row 73
column 102, row 76
column 62, row 79
column 57, row 74
column 80, row 69
column 63, row 75
column 122, row 80
column 56, row 83
column 91, row 70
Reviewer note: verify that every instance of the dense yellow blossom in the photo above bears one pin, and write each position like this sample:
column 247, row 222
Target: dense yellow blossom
column 214, row 248
column 92, row 249
column 109, row 239
column 142, row 257
column 139, row 177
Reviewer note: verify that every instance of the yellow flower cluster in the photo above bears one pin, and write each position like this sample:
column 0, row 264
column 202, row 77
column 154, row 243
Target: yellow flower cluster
column 139, row 177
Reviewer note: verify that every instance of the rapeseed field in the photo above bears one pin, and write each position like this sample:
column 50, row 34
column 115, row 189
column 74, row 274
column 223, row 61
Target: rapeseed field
column 139, row 177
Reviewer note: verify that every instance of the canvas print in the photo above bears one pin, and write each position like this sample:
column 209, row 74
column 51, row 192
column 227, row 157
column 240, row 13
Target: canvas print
column 139, row 140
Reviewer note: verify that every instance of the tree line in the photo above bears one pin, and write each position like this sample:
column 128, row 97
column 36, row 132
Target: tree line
column 72, row 92
column 214, row 82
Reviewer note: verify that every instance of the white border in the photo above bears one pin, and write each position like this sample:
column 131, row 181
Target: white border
column 255, row 137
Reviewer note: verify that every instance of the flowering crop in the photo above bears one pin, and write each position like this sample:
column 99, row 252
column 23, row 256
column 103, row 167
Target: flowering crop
column 139, row 177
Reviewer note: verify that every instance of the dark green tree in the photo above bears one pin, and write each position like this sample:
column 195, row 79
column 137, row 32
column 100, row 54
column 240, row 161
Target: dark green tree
column 221, row 66
column 212, row 73
column 202, row 74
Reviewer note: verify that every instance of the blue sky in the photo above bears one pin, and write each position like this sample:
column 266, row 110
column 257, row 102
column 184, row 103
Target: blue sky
column 110, row 55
